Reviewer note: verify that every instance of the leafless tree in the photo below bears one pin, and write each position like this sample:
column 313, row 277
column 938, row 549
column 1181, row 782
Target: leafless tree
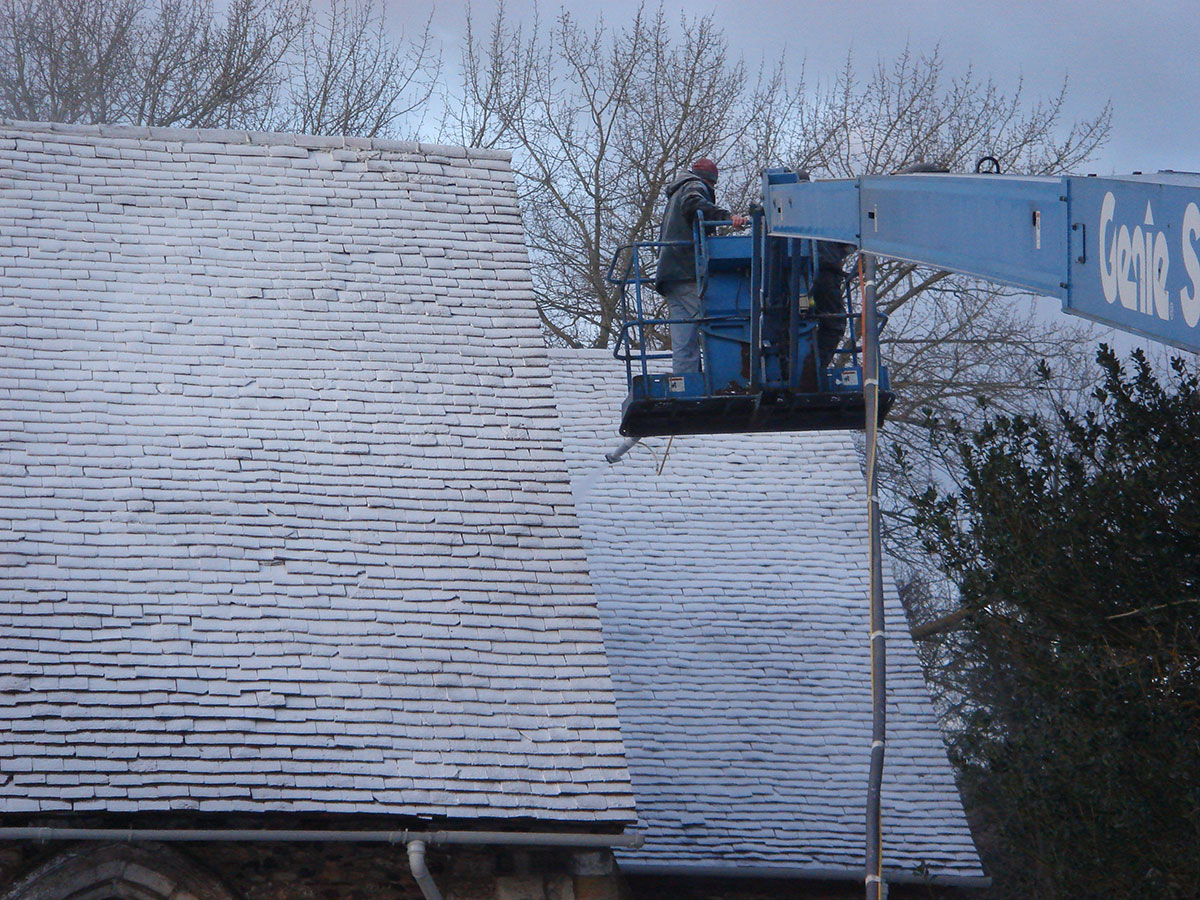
column 355, row 78
column 908, row 111
column 67, row 61
column 951, row 340
column 256, row 64
column 197, row 70
column 599, row 119
column 123, row 61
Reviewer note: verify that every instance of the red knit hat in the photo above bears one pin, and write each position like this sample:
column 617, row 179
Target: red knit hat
column 705, row 168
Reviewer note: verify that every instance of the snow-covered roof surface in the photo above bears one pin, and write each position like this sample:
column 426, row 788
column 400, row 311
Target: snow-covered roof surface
column 731, row 576
column 284, row 517
column 285, row 524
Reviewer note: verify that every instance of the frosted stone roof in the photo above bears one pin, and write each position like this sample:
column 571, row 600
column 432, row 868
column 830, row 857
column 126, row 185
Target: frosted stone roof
column 732, row 585
column 284, row 518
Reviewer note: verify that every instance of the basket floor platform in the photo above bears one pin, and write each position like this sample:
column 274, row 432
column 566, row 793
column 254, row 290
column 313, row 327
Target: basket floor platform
column 643, row 416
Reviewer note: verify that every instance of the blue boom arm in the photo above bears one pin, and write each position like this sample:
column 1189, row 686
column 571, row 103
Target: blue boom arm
column 1121, row 251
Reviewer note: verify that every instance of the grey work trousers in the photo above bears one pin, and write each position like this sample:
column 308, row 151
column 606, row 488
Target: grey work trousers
column 683, row 302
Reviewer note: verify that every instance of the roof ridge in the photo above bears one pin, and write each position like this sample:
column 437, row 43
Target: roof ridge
column 239, row 136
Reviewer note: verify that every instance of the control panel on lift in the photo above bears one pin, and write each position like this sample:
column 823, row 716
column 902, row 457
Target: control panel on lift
column 772, row 357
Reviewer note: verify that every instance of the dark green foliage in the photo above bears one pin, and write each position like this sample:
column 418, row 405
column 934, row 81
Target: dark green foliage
column 1074, row 545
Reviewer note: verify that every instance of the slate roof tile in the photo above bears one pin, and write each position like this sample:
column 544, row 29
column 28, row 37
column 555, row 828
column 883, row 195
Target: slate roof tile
column 731, row 577
column 286, row 468
column 252, row 418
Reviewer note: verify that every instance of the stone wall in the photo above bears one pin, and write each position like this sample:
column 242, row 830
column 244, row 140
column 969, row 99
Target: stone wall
column 280, row 871
column 333, row 871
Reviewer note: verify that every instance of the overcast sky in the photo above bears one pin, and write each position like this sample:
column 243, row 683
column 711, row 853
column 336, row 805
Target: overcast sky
column 1140, row 55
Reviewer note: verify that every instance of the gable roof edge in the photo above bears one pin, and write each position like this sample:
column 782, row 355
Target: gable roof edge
column 273, row 138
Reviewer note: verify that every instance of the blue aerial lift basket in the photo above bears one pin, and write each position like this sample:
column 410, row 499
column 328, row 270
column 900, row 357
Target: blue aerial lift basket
column 758, row 340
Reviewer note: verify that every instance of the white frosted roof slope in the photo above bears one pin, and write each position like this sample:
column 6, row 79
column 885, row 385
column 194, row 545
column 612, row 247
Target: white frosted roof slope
column 285, row 522
column 732, row 585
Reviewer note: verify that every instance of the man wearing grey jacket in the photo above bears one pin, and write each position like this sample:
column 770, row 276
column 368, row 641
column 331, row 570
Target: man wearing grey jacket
column 675, row 277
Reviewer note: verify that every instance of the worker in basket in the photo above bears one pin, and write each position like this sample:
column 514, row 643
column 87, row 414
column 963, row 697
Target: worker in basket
column 675, row 277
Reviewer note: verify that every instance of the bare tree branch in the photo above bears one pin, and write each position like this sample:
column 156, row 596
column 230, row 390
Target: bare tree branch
column 257, row 64
column 599, row 120
column 356, row 79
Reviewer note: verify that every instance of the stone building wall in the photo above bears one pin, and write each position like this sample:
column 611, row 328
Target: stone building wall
column 31, row 870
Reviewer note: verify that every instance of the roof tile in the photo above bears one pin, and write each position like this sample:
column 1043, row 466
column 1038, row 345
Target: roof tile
column 244, row 426
column 731, row 572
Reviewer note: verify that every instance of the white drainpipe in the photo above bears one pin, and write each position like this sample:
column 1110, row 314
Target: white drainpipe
column 420, row 871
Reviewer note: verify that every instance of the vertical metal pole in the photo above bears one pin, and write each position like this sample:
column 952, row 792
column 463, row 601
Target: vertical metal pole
column 870, row 342
column 756, row 299
column 637, row 297
column 795, row 360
